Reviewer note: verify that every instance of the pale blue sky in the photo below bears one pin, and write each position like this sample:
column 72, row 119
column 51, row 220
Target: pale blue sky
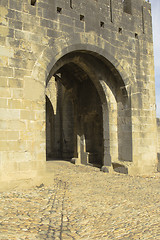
column 156, row 39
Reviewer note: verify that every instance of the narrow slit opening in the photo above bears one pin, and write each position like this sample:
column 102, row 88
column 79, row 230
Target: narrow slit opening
column 111, row 14
column 143, row 20
column 71, row 4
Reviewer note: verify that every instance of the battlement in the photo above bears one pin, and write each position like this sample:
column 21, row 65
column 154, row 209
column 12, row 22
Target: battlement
column 127, row 6
column 99, row 15
column 124, row 16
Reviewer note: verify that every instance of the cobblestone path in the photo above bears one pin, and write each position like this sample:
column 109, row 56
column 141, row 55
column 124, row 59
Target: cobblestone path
column 83, row 203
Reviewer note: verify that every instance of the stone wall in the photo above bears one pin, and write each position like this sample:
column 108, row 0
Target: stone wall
column 35, row 37
column 158, row 140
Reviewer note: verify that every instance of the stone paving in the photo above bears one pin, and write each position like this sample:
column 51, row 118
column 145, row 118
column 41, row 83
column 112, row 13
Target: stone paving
column 83, row 203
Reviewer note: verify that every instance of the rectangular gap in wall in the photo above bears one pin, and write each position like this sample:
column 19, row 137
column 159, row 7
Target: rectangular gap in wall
column 120, row 30
column 143, row 19
column 33, row 2
column 81, row 17
column 102, row 24
column 111, row 13
column 136, row 35
column 59, row 10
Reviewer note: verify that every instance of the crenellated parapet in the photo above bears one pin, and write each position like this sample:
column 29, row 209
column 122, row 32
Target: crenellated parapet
column 94, row 15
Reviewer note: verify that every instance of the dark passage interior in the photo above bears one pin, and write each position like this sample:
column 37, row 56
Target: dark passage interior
column 75, row 129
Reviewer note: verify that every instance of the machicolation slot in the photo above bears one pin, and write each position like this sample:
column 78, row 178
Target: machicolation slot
column 136, row 35
column 33, row 2
column 102, row 24
column 120, row 30
column 82, row 17
column 59, row 10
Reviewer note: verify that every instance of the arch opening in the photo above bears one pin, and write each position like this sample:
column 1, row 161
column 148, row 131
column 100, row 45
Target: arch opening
column 90, row 101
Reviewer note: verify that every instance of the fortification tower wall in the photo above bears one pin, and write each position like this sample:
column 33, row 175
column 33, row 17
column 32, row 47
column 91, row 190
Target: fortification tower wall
column 158, row 140
column 107, row 42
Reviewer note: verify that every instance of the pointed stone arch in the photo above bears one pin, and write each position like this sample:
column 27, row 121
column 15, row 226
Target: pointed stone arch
column 89, row 42
column 50, row 61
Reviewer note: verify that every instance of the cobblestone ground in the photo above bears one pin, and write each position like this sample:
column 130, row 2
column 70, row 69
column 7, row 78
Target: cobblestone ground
column 83, row 203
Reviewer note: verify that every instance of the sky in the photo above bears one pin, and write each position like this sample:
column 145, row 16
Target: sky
column 156, row 41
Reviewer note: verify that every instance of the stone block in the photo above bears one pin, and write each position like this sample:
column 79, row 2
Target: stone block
column 9, row 114
column 16, row 125
column 15, row 24
column 46, row 23
column 36, row 125
column 27, row 104
column 6, row 32
column 6, row 72
column 104, row 169
column 12, row 168
column 5, row 92
column 4, row 146
column 12, row 135
column 21, row 35
column 7, row 52
column 49, row 14
column 3, row 135
column 20, row 73
column 16, row 5
column 3, row 82
column 3, row 124
column 15, row 83
column 37, row 105
column 27, row 115
column 17, row 93
column 120, row 168
column 2, row 40
column 27, row 135
column 40, row 135
column 4, row 61
column 14, row 146
column 33, row 90
column 4, row 3
column 14, row 62
column 40, row 115
column 3, row 103
column 14, row 104
column 35, row 37
column 3, row 13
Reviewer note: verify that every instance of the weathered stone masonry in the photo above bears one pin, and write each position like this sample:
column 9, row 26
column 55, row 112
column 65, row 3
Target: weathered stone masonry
column 158, row 142
column 76, row 81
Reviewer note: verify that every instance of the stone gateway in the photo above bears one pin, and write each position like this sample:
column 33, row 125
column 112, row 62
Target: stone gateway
column 76, row 82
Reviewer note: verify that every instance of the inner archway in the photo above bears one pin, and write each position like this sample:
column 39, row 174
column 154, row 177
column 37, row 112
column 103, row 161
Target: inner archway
column 50, row 118
column 78, row 125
